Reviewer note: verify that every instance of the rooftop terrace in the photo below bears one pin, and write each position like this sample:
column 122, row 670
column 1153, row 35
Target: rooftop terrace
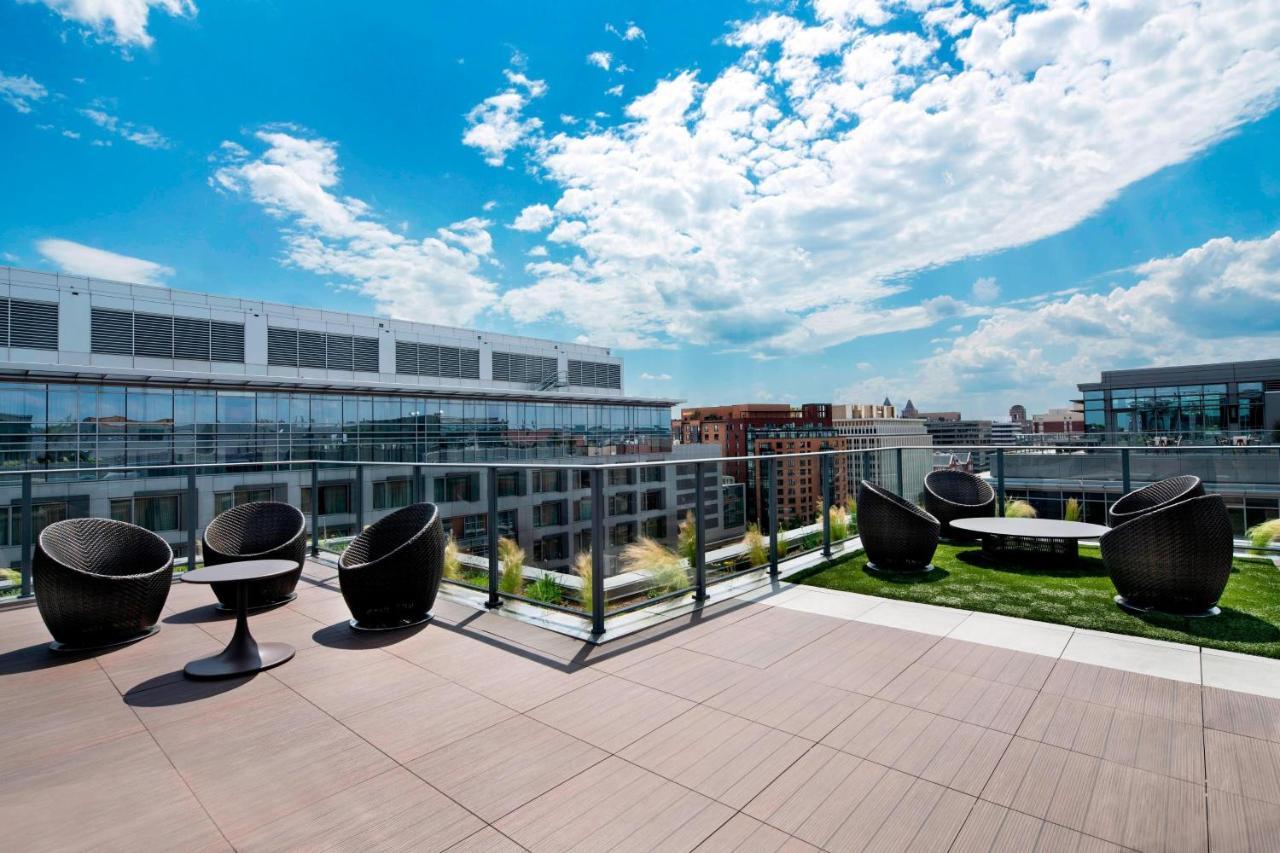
column 802, row 719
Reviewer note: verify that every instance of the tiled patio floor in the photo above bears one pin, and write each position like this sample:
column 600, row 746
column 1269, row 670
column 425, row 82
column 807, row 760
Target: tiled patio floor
column 752, row 727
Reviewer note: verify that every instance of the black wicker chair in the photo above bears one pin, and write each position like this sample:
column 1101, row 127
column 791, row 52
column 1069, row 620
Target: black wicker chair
column 1153, row 497
column 1176, row 559
column 390, row 573
column 260, row 530
column 897, row 535
column 100, row 583
column 951, row 495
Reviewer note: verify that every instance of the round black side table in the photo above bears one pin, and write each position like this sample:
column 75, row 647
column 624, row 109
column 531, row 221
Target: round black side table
column 243, row 655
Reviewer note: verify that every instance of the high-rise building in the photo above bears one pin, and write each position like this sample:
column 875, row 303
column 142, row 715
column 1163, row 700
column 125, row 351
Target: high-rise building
column 727, row 427
column 799, row 480
column 952, row 430
column 97, row 373
column 909, row 410
column 1018, row 413
column 870, row 427
column 1058, row 422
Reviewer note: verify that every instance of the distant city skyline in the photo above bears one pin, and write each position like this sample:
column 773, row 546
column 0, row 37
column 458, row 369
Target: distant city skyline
column 750, row 202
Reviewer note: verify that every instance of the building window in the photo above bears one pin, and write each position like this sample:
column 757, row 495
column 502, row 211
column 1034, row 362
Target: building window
column 335, row 499
column 550, row 514
column 622, row 534
column 392, row 494
column 42, row 515
column 582, row 541
column 507, row 523
column 223, row 501
column 582, row 509
column 510, row 483
column 622, row 476
column 550, row 548
column 154, row 512
column 581, row 478
column 457, row 487
column 548, row 480
column 654, row 474
column 654, row 499
column 622, row 504
column 656, row 527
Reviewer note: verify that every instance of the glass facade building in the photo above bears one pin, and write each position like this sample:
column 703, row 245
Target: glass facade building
column 54, row 425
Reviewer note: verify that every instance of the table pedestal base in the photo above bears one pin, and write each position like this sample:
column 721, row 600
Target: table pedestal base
column 1001, row 547
column 243, row 655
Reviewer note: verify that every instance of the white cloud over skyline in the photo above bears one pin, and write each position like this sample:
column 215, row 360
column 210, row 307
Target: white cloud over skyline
column 1215, row 302
column 79, row 259
column 119, row 22
column 497, row 125
column 19, row 91
column 781, row 204
column 295, row 178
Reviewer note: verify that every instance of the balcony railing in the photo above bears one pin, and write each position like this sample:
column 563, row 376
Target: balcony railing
column 505, row 559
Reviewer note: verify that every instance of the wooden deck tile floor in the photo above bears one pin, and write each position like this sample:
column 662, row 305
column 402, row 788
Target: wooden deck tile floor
column 745, row 727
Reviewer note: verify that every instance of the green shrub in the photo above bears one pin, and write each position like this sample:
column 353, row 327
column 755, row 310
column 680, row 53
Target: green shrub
column 1018, row 509
column 452, row 565
column 811, row 541
column 511, row 555
column 1265, row 533
column 839, row 517
column 756, row 545
column 783, row 546
column 1071, row 512
column 545, row 589
column 851, row 507
column 582, row 567
column 667, row 571
column 687, row 538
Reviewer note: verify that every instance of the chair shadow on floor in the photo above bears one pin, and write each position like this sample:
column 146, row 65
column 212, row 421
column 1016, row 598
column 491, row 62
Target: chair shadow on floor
column 907, row 578
column 340, row 636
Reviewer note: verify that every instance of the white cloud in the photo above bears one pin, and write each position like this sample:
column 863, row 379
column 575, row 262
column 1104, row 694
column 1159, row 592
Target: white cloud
column 565, row 118
column 616, row 91
column 630, row 33
column 783, row 203
column 488, row 206
column 656, row 377
column 121, row 22
column 986, row 289
column 600, row 59
column 147, row 137
column 78, row 259
column 497, row 124
column 19, row 92
column 1214, row 302
column 535, row 217
column 71, row 134
column 538, row 252
column 296, row 179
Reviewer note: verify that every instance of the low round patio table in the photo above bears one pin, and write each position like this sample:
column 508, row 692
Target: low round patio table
column 1056, row 541
column 243, row 655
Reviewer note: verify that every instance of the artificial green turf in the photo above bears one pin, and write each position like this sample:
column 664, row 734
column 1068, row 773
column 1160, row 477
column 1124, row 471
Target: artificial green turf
column 1082, row 598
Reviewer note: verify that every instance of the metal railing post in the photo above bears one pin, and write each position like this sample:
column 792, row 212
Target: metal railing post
column 900, row 479
column 419, row 485
column 27, row 533
column 773, row 517
column 700, row 534
column 1000, row 480
column 1126, row 481
column 825, row 468
column 359, row 498
column 597, row 551
column 491, row 525
column 315, row 509
column 866, row 467
column 193, row 518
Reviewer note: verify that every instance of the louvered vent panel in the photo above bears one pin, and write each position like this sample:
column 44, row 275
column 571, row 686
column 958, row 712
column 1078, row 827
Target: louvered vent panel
column 428, row 360
column 339, row 355
column 502, row 367
column 227, row 341
column 450, row 367
column 153, row 335
column 4, row 322
column 311, row 349
column 282, row 347
column 365, row 354
column 469, row 360
column 576, row 373
column 614, row 379
column 595, row 374
column 406, row 358
column 191, row 338
column 110, row 332
column 33, row 325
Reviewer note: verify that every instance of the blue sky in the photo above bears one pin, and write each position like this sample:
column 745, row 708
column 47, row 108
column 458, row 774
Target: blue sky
column 968, row 202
